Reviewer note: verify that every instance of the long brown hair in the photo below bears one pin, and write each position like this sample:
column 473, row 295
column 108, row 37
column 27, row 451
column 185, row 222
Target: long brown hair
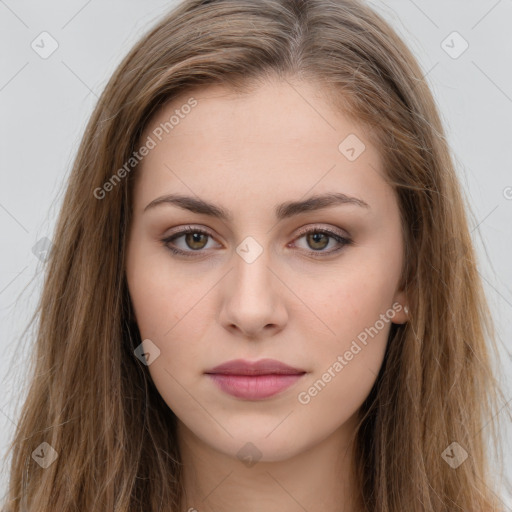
column 93, row 402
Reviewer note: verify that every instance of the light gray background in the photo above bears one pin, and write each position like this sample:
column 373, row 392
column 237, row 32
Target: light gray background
column 45, row 104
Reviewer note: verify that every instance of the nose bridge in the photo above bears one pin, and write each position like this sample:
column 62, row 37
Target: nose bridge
column 252, row 302
column 251, row 267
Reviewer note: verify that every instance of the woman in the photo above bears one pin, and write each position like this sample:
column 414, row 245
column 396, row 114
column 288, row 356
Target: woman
column 262, row 292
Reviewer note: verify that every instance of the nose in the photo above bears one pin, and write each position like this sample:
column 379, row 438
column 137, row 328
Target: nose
column 253, row 302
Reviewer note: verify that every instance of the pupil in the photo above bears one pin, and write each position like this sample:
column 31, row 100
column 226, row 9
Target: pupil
column 317, row 239
column 196, row 238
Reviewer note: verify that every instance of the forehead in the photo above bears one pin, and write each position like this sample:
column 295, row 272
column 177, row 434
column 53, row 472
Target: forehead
column 279, row 136
column 288, row 111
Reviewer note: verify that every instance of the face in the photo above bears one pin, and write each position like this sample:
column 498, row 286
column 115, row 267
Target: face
column 310, row 283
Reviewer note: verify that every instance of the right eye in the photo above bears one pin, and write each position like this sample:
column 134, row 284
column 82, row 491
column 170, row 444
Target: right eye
column 195, row 239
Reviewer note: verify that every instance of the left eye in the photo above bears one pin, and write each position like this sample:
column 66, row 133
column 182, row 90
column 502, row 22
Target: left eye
column 318, row 239
column 196, row 239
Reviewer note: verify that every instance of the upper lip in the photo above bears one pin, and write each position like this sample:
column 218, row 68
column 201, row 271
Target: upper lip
column 261, row 367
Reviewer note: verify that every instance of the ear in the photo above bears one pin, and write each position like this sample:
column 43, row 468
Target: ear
column 400, row 306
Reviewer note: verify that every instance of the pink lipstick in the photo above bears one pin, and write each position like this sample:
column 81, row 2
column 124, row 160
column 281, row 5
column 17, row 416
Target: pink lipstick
column 254, row 380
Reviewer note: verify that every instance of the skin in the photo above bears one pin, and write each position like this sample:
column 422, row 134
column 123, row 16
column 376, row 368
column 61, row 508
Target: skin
column 248, row 153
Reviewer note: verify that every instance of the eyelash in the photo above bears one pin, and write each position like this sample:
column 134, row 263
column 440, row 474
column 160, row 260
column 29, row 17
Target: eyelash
column 344, row 241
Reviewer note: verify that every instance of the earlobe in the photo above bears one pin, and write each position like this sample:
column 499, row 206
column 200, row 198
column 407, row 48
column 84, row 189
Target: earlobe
column 406, row 314
column 401, row 309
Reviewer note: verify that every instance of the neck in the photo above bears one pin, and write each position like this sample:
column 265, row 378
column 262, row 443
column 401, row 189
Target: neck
column 316, row 479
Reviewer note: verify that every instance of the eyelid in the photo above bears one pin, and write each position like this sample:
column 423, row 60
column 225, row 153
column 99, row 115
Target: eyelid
column 302, row 231
column 189, row 227
column 317, row 227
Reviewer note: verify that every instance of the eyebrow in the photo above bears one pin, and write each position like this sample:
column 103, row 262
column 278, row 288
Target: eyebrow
column 282, row 211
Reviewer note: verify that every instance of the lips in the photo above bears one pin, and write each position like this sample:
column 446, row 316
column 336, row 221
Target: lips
column 254, row 380
column 261, row 367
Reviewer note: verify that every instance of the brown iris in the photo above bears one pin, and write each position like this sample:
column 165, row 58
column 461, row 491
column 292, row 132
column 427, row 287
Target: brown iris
column 317, row 239
column 195, row 238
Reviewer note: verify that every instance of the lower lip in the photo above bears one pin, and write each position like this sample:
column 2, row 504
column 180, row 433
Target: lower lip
column 255, row 387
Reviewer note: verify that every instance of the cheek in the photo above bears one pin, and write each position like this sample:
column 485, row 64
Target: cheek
column 356, row 310
column 160, row 295
column 347, row 362
column 167, row 306
column 165, row 312
column 352, row 300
